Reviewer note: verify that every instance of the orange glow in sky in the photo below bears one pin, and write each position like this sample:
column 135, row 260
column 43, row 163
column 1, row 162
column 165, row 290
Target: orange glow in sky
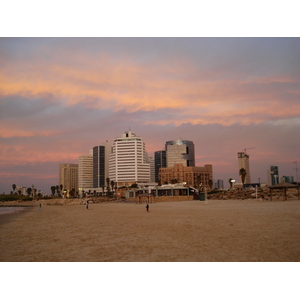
column 61, row 97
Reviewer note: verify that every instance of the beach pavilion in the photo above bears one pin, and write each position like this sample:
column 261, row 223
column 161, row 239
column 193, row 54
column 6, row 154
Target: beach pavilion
column 283, row 186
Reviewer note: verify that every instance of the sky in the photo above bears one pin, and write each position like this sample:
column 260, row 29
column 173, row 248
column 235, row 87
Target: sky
column 59, row 97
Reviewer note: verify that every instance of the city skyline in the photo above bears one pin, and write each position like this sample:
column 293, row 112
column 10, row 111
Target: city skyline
column 60, row 97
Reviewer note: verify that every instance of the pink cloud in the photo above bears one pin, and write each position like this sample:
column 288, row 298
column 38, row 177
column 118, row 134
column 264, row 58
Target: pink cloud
column 105, row 83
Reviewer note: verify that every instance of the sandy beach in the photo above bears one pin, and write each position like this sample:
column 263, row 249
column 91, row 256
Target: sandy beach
column 190, row 231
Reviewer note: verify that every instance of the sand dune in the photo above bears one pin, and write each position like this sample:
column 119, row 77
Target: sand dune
column 231, row 230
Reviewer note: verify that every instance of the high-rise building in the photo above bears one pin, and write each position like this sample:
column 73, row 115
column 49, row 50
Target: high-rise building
column 128, row 160
column 243, row 163
column 101, row 164
column 68, row 176
column 160, row 161
column 85, row 171
column 273, row 175
column 180, row 152
column 219, row 184
column 152, row 168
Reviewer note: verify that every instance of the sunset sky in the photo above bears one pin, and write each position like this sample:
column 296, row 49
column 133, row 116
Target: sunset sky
column 59, row 97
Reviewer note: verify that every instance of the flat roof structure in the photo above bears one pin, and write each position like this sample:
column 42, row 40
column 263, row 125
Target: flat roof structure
column 284, row 186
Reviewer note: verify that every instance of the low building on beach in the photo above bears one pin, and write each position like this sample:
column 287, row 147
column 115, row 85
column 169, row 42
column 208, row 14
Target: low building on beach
column 191, row 176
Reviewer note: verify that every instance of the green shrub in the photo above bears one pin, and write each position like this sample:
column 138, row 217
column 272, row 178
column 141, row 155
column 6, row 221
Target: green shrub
column 4, row 198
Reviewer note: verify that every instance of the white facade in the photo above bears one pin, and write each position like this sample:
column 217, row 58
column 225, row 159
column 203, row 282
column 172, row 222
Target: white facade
column 128, row 160
column 22, row 190
column 85, row 171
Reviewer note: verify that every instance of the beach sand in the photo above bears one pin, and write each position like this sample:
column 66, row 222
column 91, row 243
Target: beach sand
column 190, row 231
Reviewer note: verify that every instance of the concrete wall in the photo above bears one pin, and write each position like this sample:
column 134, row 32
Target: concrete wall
column 162, row 199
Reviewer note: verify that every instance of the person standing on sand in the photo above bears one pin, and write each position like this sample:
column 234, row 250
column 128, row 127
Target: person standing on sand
column 40, row 207
column 147, row 208
column 87, row 205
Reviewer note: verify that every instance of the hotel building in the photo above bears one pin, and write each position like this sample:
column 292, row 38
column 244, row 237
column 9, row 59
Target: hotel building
column 128, row 160
column 68, row 176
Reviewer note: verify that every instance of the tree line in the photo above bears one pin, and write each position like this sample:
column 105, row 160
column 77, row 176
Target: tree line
column 110, row 187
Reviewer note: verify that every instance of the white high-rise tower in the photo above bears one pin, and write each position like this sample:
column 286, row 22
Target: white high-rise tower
column 128, row 160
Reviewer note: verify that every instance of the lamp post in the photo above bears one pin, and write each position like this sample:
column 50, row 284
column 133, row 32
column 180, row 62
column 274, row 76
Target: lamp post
column 256, row 192
column 296, row 163
column 232, row 182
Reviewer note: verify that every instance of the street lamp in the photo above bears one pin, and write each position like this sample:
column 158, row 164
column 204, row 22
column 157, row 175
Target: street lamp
column 232, row 182
column 296, row 163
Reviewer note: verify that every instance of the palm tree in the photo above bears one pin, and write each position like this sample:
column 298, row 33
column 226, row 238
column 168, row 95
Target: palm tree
column 210, row 183
column 107, row 184
column 57, row 190
column 29, row 190
column 134, row 186
column 53, row 188
column 112, row 183
column 243, row 174
column 72, row 192
column 14, row 187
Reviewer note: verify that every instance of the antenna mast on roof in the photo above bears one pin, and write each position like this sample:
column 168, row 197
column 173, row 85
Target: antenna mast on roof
column 248, row 149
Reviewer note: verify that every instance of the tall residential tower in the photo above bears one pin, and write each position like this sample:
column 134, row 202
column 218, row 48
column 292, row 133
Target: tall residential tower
column 160, row 161
column 273, row 175
column 243, row 163
column 101, row 164
column 85, row 171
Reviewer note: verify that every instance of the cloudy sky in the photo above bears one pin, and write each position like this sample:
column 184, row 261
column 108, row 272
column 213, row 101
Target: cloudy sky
column 59, row 97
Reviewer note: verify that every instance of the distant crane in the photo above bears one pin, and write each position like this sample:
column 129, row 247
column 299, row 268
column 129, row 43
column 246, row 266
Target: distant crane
column 248, row 149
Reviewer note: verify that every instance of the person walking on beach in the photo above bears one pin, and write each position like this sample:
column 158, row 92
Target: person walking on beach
column 147, row 207
column 87, row 205
column 40, row 207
